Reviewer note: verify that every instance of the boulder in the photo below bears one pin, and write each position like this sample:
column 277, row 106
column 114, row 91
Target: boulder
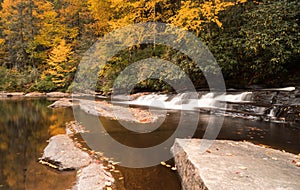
column 61, row 153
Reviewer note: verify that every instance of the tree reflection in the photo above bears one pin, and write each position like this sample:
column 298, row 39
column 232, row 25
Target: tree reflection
column 25, row 126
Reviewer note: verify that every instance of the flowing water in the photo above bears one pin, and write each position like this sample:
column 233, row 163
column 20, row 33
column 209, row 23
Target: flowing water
column 25, row 126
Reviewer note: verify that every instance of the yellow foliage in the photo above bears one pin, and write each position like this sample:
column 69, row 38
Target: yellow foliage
column 193, row 15
column 60, row 64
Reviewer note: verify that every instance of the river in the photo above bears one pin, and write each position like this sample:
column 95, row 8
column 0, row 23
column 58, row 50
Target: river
column 26, row 124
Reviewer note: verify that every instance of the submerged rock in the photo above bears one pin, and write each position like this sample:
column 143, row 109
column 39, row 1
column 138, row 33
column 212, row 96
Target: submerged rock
column 93, row 177
column 61, row 153
column 234, row 165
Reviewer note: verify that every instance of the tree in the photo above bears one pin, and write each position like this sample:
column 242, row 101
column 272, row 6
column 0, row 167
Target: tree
column 16, row 31
column 61, row 66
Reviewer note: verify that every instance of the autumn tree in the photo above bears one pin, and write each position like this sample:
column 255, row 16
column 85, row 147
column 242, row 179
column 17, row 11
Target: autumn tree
column 61, row 66
column 16, row 31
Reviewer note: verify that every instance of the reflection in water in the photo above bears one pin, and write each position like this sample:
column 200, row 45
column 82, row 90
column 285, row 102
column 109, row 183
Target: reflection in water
column 24, row 130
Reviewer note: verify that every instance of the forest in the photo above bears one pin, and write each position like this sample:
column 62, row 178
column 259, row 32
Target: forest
column 255, row 42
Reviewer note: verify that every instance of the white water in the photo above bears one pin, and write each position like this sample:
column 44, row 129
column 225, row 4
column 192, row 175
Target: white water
column 288, row 89
column 180, row 102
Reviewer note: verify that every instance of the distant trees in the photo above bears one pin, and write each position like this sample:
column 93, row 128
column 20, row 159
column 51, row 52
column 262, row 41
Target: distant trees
column 256, row 38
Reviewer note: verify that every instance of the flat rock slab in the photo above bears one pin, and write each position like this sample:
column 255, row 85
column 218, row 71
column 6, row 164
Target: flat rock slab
column 93, row 177
column 234, row 165
column 62, row 153
column 115, row 112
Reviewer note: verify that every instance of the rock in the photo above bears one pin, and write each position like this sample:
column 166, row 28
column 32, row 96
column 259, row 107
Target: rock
column 62, row 152
column 234, row 165
column 35, row 95
column 58, row 95
column 62, row 103
column 74, row 127
column 105, row 109
column 93, row 177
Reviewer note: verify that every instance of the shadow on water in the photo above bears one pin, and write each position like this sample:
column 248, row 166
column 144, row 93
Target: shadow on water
column 25, row 126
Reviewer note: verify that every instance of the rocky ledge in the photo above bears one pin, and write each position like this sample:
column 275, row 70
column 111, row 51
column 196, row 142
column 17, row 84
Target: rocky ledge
column 234, row 165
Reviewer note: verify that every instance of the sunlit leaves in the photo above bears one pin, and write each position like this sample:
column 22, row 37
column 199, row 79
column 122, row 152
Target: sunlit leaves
column 60, row 65
column 194, row 15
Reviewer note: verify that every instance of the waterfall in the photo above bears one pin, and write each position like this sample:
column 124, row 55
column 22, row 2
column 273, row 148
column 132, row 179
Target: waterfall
column 274, row 105
column 184, row 101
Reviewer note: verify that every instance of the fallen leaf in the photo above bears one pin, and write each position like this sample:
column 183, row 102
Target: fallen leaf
column 229, row 154
column 174, row 168
column 163, row 163
column 298, row 164
column 208, row 151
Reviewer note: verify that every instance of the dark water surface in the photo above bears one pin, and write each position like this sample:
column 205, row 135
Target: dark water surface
column 25, row 126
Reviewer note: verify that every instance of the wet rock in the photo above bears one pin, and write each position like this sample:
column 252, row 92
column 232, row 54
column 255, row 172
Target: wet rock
column 234, row 165
column 58, row 95
column 35, row 95
column 93, row 177
column 62, row 103
column 61, row 153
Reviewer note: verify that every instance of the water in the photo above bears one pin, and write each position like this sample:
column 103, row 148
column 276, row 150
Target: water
column 25, row 126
